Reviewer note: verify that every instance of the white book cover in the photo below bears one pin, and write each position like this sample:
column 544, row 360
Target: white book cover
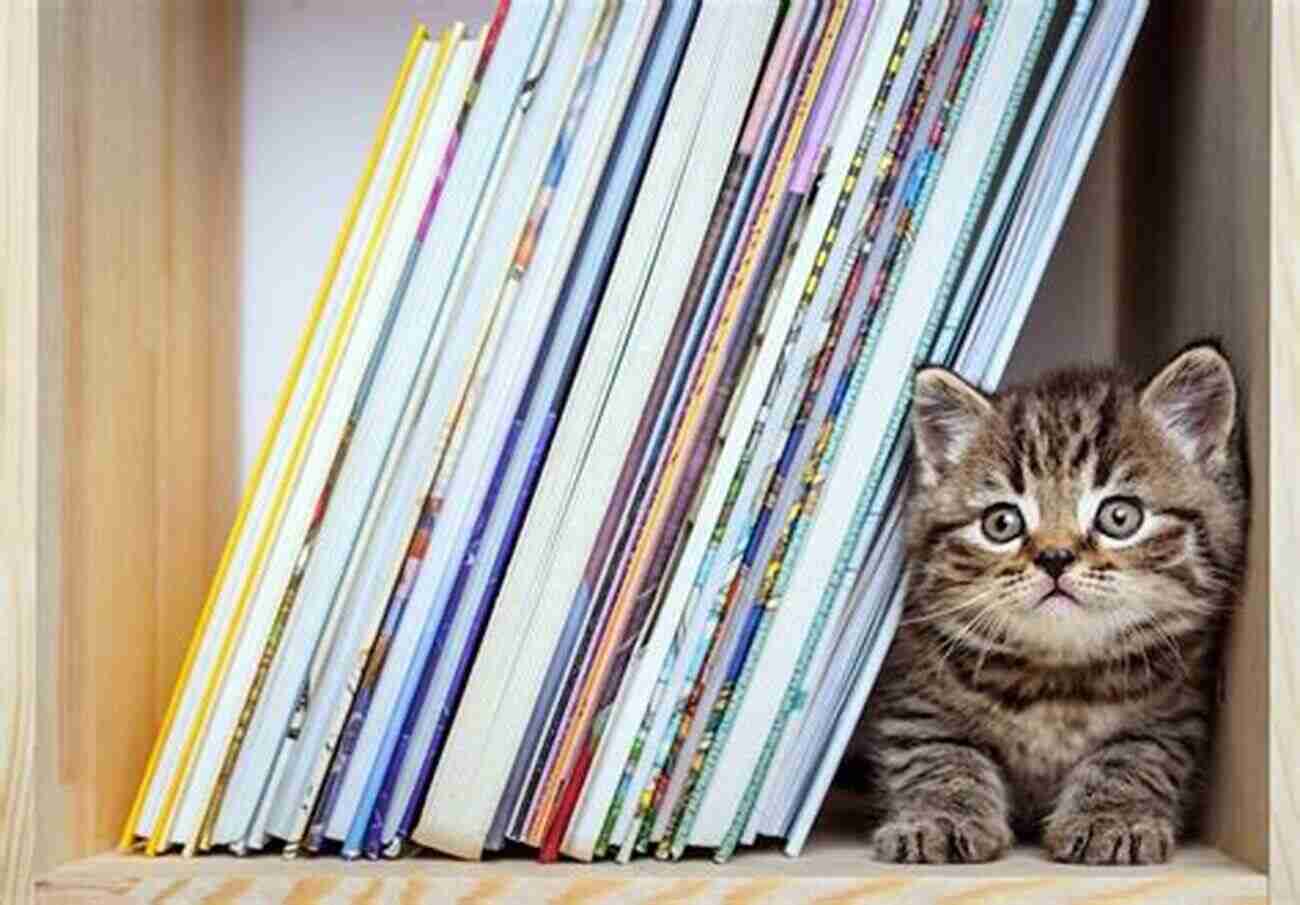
column 455, row 219
column 502, row 688
column 277, row 461
column 258, row 753
column 435, row 586
column 486, row 371
column 288, row 525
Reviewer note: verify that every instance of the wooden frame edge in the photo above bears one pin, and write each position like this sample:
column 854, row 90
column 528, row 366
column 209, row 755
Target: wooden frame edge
column 19, row 447
column 1284, row 527
column 26, row 406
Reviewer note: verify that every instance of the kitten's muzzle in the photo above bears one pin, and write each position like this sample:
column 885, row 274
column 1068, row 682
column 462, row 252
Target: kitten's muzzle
column 1054, row 560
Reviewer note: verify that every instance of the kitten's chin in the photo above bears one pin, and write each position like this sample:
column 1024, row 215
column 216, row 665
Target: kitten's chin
column 1063, row 629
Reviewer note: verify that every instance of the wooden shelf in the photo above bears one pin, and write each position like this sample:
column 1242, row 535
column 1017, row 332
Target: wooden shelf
column 830, row 871
column 834, row 868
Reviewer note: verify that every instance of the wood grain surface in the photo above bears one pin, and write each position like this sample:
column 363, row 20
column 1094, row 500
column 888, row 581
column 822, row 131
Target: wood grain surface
column 139, row 104
column 19, row 451
column 118, row 468
column 827, row 873
column 833, row 870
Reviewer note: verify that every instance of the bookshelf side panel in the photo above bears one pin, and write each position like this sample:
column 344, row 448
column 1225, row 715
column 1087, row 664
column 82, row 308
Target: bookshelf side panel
column 19, row 449
column 140, row 103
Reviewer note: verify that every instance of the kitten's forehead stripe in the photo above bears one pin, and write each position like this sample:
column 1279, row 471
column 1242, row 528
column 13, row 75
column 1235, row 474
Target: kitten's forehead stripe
column 1133, row 471
column 1056, row 444
column 1015, row 472
column 1082, row 450
column 1105, row 434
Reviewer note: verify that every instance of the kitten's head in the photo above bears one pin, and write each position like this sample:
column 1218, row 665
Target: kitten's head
column 1066, row 518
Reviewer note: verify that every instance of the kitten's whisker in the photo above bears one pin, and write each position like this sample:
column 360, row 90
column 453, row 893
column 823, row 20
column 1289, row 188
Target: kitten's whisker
column 1000, row 620
column 967, row 627
column 961, row 607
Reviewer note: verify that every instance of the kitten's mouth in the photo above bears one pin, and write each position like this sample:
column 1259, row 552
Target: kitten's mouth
column 1057, row 594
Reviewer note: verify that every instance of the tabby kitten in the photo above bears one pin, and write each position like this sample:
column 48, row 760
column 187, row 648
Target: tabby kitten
column 1074, row 547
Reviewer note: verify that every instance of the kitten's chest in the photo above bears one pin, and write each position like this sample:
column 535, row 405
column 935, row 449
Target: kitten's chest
column 1041, row 743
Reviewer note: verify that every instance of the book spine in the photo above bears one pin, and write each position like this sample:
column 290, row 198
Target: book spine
column 766, row 240
column 757, row 139
column 781, row 249
column 695, row 291
column 306, row 807
column 694, row 318
column 583, row 710
column 683, row 28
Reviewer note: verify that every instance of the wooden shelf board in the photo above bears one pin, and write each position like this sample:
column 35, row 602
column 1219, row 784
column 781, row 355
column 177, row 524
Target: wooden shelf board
column 833, row 870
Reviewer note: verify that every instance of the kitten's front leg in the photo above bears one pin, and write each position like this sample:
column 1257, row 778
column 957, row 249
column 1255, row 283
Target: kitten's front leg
column 945, row 801
column 1124, row 804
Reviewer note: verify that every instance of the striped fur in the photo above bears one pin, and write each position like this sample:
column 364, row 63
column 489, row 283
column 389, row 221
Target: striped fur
column 1072, row 709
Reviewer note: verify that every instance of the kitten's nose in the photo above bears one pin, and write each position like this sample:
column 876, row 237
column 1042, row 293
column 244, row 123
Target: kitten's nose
column 1054, row 560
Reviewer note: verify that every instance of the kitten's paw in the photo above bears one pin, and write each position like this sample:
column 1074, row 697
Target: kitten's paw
column 939, row 838
column 1110, row 838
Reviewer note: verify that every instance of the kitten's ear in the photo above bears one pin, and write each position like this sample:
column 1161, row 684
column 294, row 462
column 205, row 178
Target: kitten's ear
column 1194, row 400
column 946, row 417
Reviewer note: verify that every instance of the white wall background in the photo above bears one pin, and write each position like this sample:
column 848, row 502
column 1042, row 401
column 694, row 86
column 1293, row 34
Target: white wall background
column 316, row 74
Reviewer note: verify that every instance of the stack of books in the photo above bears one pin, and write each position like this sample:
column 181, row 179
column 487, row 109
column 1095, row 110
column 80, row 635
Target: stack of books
column 577, row 523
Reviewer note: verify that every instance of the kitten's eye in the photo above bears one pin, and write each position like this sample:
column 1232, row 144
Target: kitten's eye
column 1119, row 517
column 1002, row 522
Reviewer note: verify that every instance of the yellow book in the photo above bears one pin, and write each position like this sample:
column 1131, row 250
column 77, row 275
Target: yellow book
column 269, row 443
